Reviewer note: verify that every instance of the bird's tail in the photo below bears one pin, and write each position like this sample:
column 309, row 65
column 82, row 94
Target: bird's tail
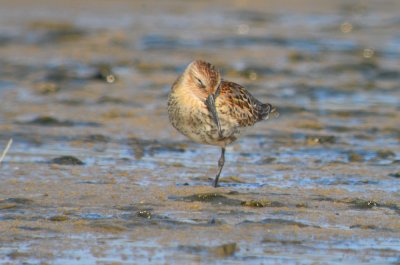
column 268, row 109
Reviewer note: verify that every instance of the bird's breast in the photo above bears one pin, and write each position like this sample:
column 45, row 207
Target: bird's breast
column 191, row 117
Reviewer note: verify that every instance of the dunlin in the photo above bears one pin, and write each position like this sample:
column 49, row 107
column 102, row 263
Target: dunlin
column 209, row 110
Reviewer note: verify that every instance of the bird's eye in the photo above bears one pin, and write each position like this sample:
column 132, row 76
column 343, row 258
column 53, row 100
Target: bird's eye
column 200, row 83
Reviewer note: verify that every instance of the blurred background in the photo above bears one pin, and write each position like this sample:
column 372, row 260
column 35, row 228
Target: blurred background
column 308, row 55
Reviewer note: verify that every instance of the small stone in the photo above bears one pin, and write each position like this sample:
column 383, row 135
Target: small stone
column 224, row 250
column 144, row 214
column 47, row 87
column 59, row 218
column 262, row 203
column 395, row 175
column 385, row 154
column 354, row 157
column 67, row 160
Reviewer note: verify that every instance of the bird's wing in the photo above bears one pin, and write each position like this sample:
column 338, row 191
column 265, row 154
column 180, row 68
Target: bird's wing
column 235, row 101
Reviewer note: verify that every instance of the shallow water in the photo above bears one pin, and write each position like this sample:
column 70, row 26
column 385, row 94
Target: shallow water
column 96, row 174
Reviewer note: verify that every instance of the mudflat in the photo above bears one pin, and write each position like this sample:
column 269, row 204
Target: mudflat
column 96, row 174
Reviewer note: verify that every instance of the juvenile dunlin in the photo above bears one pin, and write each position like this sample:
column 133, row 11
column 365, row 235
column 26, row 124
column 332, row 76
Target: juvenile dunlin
column 209, row 110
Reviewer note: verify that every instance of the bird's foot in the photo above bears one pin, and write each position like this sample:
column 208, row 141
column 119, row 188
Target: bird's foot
column 215, row 183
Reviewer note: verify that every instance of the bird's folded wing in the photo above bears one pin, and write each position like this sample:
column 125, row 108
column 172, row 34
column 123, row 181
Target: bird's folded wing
column 240, row 105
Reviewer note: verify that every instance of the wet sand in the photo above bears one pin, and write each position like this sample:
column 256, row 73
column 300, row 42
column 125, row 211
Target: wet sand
column 96, row 174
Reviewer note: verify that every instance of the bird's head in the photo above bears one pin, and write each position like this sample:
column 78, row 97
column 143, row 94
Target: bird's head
column 204, row 81
column 203, row 78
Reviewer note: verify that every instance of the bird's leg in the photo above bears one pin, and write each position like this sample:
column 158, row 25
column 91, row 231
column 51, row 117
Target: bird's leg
column 221, row 163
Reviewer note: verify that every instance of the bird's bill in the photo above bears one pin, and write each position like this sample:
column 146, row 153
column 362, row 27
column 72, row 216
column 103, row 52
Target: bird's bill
column 210, row 103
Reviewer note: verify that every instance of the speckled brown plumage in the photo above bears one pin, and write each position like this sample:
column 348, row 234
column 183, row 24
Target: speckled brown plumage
column 212, row 111
column 238, row 104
